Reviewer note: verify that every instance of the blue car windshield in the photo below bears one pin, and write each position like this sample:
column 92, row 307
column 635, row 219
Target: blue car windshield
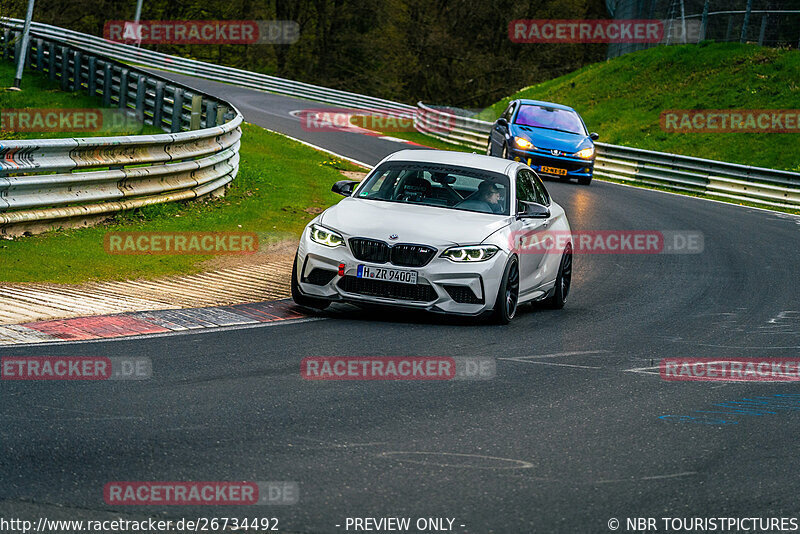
column 561, row 120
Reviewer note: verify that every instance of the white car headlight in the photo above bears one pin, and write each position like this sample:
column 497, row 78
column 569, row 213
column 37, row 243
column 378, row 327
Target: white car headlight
column 586, row 153
column 325, row 237
column 470, row 253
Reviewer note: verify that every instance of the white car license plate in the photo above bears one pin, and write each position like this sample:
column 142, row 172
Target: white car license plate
column 387, row 275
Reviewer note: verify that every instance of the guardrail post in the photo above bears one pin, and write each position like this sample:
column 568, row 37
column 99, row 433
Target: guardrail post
column 177, row 110
column 122, row 100
column 91, row 79
column 211, row 114
column 29, row 55
column 763, row 30
column 197, row 112
column 64, row 68
column 221, row 111
column 141, row 91
column 6, row 41
column 51, row 50
column 158, row 104
column 39, row 56
column 17, row 49
column 106, row 84
column 77, row 72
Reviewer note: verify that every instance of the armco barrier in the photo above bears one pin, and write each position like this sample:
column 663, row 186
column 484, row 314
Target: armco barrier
column 682, row 173
column 50, row 183
column 150, row 58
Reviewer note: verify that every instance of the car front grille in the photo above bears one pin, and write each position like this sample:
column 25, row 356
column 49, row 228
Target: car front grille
column 393, row 290
column 369, row 250
column 462, row 295
column 402, row 254
column 412, row 255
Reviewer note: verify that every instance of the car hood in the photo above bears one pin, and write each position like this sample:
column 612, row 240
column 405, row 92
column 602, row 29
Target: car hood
column 553, row 140
column 428, row 225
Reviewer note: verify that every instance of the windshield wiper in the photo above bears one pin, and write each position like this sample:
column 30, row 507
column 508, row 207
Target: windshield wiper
column 554, row 129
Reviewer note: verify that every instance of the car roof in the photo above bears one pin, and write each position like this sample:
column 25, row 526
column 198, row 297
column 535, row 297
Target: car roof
column 448, row 157
column 542, row 103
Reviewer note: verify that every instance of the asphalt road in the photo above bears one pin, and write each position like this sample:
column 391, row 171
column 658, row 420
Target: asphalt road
column 565, row 437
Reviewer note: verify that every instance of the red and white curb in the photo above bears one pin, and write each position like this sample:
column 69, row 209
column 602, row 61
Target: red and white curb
column 148, row 322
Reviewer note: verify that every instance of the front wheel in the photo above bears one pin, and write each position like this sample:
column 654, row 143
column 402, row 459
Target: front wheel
column 563, row 282
column 302, row 300
column 505, row 307
column 585, row 180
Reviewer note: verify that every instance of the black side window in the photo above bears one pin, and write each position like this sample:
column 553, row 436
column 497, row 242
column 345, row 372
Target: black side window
column 509, row 112
column 541, row 190
column 525, row 189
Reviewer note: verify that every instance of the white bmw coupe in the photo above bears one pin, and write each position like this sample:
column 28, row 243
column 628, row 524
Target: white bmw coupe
column 438, row 231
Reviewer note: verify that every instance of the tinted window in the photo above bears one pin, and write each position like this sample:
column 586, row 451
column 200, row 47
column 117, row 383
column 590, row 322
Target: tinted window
column 525, row 189
column 541, row 190
column 509, row 112
column 442, row 186
column 561, row 120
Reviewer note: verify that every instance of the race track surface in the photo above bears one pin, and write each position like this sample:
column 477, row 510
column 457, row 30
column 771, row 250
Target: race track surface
column 568, row 435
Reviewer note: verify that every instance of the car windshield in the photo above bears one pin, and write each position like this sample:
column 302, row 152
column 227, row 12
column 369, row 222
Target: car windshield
column 442, row 186
column 561, row 120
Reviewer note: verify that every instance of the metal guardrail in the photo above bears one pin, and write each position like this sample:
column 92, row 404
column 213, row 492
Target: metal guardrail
column 758, row 185
column 52, row 183
column 272, row 84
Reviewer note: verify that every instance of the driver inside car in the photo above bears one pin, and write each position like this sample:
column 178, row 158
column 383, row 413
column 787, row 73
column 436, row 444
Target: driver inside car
column 485, row 199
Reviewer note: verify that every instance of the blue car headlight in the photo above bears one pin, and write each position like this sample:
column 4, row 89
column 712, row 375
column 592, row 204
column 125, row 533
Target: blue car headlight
column 523, row 143
column 586, row 153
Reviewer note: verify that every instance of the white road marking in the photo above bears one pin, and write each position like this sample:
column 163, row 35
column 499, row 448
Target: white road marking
column 550, row 363
column 171, row 333
column 557, row 354
column 527, row 359
column 521, row 464
column 390, row 138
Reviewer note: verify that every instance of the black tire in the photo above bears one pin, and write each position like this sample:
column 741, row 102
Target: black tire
column 563, row 282
column 303, row 300
column 585, row 180
column 505, row 306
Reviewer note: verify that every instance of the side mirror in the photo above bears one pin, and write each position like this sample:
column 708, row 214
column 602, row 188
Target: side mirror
column 344, row 187
column 594, row 136
column 502, row 122
column 532, row 210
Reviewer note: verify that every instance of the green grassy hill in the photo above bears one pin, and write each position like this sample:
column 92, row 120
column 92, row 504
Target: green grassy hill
column 622, row 99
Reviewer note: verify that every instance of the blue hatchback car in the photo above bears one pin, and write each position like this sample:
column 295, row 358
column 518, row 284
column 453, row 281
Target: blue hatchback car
column 552, row 139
